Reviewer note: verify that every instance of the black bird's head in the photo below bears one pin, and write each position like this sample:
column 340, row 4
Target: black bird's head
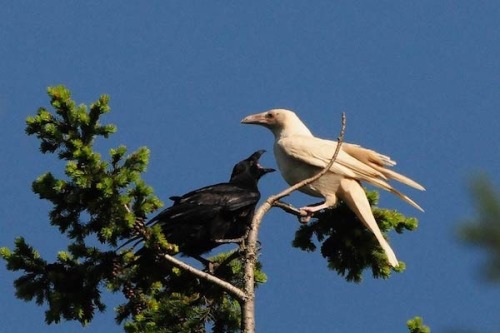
column 249, row 171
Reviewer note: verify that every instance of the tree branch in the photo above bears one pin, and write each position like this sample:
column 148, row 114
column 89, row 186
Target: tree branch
column 238, row 293
column 248, row 307
column 289, row 208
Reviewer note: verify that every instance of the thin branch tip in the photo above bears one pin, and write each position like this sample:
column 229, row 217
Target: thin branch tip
column 235, row 291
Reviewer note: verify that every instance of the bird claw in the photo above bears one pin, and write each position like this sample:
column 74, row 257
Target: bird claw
column 212, row 267
column 305, row 215
column 305, row 219
column 242, row 246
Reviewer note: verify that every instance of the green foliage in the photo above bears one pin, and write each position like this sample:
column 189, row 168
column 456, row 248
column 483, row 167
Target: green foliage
column 98, row 188
column 68, row 286
column 483, row 230
column 347, row 245
column 416, row 325
column 180, row 302
column 88, row 204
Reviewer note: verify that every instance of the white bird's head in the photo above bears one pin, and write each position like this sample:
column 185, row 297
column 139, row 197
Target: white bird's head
column 280, row 121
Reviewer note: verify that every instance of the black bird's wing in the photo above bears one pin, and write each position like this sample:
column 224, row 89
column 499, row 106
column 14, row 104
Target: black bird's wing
column 208, row 202
column 200, row 217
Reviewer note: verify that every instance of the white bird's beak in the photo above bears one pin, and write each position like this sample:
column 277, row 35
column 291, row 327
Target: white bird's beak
column 258, row 119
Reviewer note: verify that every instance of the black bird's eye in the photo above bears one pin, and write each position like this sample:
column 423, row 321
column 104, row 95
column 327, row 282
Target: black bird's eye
column 269, row 115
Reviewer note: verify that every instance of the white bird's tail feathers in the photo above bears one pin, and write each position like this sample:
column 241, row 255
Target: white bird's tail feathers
column 386, row 186
column 354, row 196
column 380, row 162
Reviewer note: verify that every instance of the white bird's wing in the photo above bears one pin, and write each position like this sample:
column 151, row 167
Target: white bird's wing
column 318, row 152
column 352, row 161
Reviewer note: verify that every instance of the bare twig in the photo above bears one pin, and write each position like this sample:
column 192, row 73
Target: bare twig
column 289, row 208
column 248, row 307
column 301, row 214
column 232, row 240
column 238, row 293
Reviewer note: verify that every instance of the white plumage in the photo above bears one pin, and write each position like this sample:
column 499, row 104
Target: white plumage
column 300, row 155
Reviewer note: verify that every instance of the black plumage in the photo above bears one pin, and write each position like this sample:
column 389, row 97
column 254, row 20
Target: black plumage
column 197, row 219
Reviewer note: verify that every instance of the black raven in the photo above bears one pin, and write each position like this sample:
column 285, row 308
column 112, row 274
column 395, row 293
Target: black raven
column 197, row 219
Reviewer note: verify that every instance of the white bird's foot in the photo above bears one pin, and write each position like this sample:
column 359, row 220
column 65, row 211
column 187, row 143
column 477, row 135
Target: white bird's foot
column 305, row 214
column 304, row 219
column 309, row 211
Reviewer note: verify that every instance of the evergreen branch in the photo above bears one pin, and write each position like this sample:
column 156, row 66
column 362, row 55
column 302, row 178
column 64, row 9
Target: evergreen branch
column 416, row 325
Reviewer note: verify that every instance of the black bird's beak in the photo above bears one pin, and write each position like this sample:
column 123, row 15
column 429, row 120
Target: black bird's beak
column 255, row 158
column 266, row 170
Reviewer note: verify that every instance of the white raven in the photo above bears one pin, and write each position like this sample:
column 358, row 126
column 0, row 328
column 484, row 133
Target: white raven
column 300, row 155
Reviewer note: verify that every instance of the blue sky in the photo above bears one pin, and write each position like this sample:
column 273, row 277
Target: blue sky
column 418, row 80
